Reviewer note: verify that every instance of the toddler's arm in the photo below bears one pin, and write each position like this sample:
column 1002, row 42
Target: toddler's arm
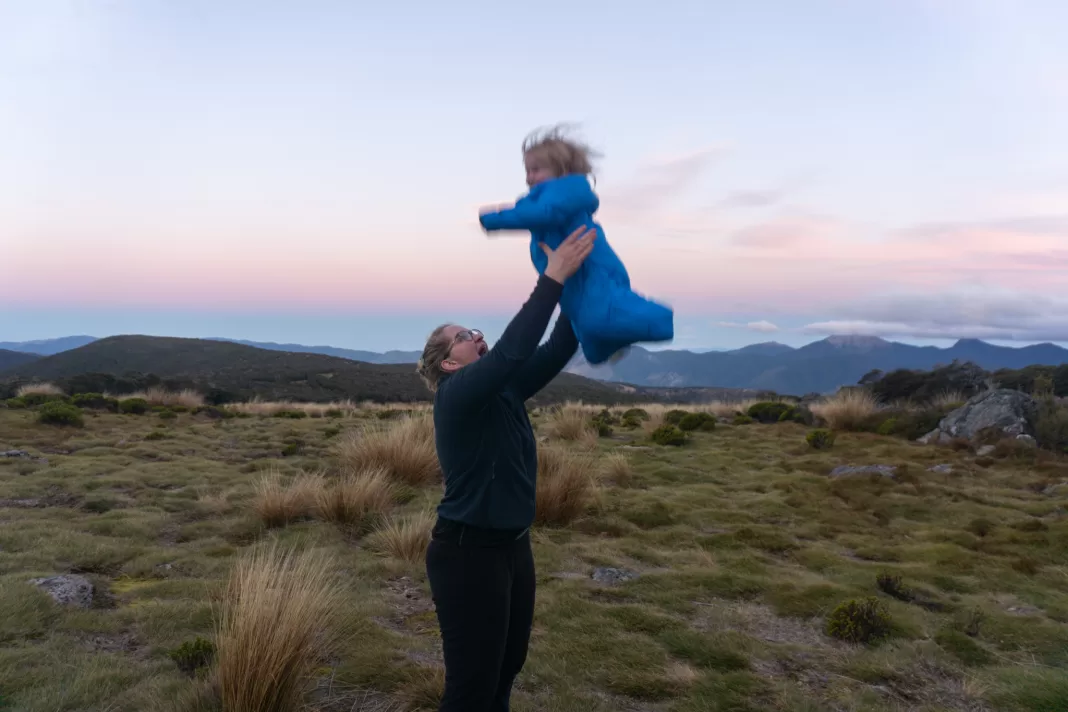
column 551, row 207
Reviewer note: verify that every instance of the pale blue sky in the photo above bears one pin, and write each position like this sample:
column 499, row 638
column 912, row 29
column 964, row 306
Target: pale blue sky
column 312, row 171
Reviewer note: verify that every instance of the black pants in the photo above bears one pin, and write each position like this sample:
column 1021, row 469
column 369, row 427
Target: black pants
column 483, row 586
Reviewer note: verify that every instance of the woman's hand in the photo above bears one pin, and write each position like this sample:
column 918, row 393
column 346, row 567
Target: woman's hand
column 566, row 259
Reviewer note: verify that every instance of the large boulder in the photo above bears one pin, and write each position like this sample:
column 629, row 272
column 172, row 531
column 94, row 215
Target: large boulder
column 1005, row 411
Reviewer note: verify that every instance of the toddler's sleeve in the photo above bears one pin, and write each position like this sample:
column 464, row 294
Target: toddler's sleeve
column 546, row 211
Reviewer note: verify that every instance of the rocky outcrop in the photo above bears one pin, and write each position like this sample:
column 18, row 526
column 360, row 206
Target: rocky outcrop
column 1004, row 411
column 68, row 590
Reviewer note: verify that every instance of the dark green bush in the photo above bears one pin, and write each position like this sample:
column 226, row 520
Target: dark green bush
column 771, row 412
column 742, row 419
column 57, row 413
column 193, row 655
column 602, row 422
column 213, row 411
column 668, row 435
column 180, row 408
column 335, row 413
column 294, row 414
column 133, row 406
column 698, row 421
column 675, row 416
column 636, row 414
column 630, row 422
column 1051, row 425
column 862, row 621
column 820, row 439
column 16, row 403
column 891, row 585
column 167, row 415
column 94, row 401
column 36, row 399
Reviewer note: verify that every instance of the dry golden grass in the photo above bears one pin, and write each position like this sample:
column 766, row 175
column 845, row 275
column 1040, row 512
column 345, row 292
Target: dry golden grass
column 404, row 538
column 404, row 449
column 161, row 396
column 358, row 500
column 728, row 409
column 315, row 410
column 949, row 399
column 566, row 485
column 39, row 389
column 616, row 469
column 281, row 619
column 278, row 503
column 570, row 422
column 846, row 410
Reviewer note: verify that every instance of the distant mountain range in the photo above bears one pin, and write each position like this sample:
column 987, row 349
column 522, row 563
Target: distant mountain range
column 230, row 371
column 820, row 367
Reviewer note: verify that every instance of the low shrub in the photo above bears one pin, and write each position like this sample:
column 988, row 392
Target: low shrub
column 668, row 435
column 167, row 415
column 742, row 419
column 60, row 414
column 95, row 401
column 891, row 585
column 820, row 439
column 675, row 416
column 636, row 413
column 193, row 655
column 771, row 412
column 294, row 414
column 698, row 421
column 133, row 406
column 214, row 412
column 35, row 399
column 862, row 621
column 630, row 422
column 16, row 403
column 602, row 422
column 1051, row 426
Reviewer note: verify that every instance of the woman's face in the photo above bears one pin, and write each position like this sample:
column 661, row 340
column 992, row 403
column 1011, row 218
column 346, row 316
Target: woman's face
column 467, row 346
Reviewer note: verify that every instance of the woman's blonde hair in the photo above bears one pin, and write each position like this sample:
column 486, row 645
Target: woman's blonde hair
column 435, row 351
column 565, row 155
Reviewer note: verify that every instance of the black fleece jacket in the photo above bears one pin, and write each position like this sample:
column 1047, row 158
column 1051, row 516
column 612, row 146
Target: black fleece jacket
column 484, row 439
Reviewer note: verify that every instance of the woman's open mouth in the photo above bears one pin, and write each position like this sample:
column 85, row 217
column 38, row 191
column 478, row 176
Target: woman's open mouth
column 482, row 348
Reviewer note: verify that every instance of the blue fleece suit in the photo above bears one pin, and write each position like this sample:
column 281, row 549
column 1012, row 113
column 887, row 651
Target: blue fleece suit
column 606, row 314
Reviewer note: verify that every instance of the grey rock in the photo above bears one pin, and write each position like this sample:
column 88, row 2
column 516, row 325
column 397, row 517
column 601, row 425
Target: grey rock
column 15, row 453
column 850, row 470
column 985, row 450
column 1005, row 410
column 941, row 469
column 67, row 590
column 1027, row 440
column 935, row 436
column 612, row 576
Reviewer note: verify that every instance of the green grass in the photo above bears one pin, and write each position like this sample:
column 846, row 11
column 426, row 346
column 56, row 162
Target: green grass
column 742, row 545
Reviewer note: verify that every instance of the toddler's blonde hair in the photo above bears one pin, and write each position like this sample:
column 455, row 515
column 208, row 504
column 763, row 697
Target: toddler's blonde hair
column 565, row 155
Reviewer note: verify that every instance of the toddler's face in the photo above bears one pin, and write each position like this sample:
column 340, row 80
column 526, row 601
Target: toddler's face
column 538, row 169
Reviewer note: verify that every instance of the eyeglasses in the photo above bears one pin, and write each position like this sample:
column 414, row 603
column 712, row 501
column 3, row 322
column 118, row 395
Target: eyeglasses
column 465, row 335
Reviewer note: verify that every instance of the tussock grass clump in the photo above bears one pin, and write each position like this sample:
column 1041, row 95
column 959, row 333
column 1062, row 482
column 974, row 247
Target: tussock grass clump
column 617, row 469
column 405, row 537
column 566, row 485
column 404, row 449
column 846, row 410
column 729, row 409
column 156, row 395
column 38, row 389
column 335, row 409
column 571, row 423
column 357, row 501
column 277, row 503
column 949, row 400
column 281, row 618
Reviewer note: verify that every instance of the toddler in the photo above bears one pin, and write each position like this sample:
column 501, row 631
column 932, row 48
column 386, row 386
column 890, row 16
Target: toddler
column 606, row 314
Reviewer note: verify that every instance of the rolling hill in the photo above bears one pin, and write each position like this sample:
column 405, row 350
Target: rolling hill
column 819, row 367
column 47, row 347
column 236, row 371
column 11, row 359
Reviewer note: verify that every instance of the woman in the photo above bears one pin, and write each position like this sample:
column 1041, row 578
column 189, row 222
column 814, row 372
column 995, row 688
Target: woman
column 479, row 561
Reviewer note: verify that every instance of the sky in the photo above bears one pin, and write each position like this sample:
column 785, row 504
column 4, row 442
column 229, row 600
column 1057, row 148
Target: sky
column 312, row 172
